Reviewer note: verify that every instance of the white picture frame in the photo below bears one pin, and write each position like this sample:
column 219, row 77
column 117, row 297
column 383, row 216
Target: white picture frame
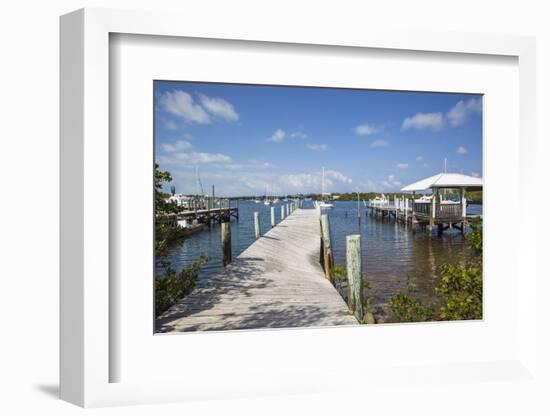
column 86, row 355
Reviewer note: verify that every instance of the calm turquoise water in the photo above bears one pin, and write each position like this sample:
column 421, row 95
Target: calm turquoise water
column 390, row 251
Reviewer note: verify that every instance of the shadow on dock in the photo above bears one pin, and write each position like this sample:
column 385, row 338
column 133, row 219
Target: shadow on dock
column 276, row 283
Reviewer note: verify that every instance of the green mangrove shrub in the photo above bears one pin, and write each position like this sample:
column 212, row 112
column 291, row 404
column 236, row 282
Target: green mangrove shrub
column 459, row 293
column 171, row 286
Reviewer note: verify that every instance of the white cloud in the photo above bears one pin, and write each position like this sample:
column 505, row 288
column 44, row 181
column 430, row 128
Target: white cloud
column 170, row 125
column 461, row 110
column 391, row 183
column 402, row 165
column 201, row 157
column 432, row 121
column 419, row 158
column 476, row 174
column 369, row 186
column 317, row 147
column 302, row 182
column 298, row 135
column 249, row 165
column 181, row 104
column 338, row 176
column 379, row 143
column 176, row 147
column 219, row 107
column 194, row 158
column 242, row 178
column 278, row 136
column 461, row 150
column 366, row 129
column 310, row 182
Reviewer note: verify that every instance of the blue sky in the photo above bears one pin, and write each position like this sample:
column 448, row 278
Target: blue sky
column 244, row 138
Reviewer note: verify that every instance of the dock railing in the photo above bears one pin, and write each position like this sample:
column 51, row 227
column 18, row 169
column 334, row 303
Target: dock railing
column 442, row 211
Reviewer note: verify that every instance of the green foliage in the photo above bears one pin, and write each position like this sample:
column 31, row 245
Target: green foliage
column 166, row 235
column 171, row 287
column 339, row 272
column 475, row 237
column 408, row 309
column 461, row 286
column 460, row 290
column 160, row 178
column 475, row 196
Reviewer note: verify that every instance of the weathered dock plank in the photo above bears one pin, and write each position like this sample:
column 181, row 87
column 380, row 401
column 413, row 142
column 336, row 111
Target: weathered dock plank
column 277, row 282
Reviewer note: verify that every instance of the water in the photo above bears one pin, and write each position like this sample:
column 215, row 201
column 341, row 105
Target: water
column 393, row 257
column 208, row 242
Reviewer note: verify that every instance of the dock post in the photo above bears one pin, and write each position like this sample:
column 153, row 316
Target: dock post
column 413, row 216
column 282, row 212
column 355, row 276
column 226, row 243
column 257, row 224
column 432, row 216
column 328, row 259
column 358, row 209
column 208, row 214
column 287, row 210
column 463, row 209
column 272, row 217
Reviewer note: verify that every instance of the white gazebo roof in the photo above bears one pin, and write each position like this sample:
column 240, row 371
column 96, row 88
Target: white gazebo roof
column 446, row 180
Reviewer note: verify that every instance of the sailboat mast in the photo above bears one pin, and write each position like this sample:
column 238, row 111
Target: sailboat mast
column 323, row 184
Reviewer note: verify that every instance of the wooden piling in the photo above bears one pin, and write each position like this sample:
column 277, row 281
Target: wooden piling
column 257, row 224
column 355, row 276
column 226, row 243
column 282, row 212
column 358, row 208
column 328, row 259
column 463, row 209
column 272, row 217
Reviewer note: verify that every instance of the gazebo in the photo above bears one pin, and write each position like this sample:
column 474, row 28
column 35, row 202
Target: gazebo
column 438, row 210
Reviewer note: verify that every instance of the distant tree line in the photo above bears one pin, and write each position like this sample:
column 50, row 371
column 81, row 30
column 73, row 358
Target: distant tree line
column 475, row 197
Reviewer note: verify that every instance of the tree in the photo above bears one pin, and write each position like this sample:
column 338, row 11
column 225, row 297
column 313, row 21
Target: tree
column 165, row 235
column 160, row 197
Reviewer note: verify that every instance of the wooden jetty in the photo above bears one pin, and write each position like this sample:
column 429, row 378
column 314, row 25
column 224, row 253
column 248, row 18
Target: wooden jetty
column 202, row 216
column 216, row 215
column 433, row 211
column 277, row 282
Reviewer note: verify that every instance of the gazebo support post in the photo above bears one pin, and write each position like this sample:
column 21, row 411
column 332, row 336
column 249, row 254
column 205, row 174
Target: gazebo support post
column 413, row 217
column 463, row 209
column 435, row 195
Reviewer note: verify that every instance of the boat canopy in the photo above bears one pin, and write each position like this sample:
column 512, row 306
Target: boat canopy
column 446, row 180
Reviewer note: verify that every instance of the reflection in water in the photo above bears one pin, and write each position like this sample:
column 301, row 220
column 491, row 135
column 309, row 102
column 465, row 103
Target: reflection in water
column 391, row 252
